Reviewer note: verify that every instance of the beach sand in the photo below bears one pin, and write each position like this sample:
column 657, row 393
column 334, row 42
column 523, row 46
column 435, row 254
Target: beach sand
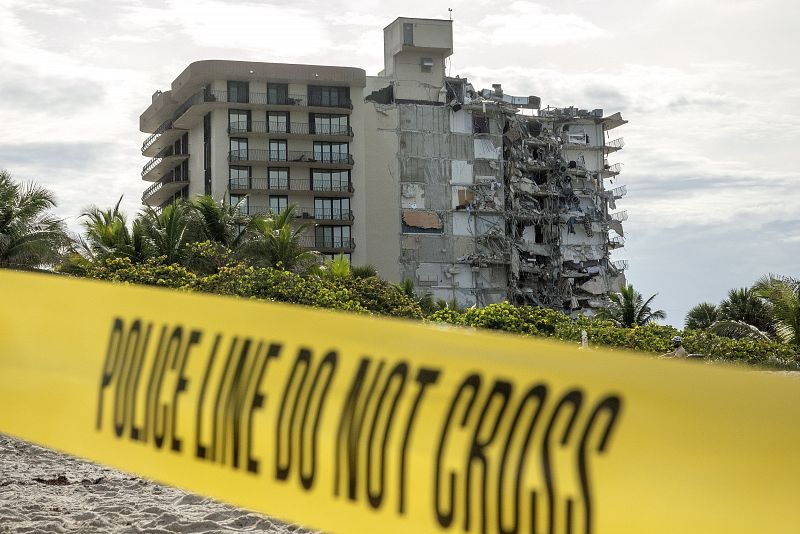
column 45, row 491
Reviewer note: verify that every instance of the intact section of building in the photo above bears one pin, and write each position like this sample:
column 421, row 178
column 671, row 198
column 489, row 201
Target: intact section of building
column 475, row 195
column 264, row 135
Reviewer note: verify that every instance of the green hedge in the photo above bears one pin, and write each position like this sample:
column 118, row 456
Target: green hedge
column 365, row 295
column 374, row 295
column 651, row 338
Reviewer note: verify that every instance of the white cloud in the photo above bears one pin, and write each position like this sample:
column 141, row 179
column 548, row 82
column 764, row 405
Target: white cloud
column 532, row 24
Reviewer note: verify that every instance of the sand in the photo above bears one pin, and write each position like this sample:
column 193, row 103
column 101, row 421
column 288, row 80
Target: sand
column 45, row 491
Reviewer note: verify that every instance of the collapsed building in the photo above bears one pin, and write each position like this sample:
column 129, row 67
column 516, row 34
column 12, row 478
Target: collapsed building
column 476, row 196
column 500, row 199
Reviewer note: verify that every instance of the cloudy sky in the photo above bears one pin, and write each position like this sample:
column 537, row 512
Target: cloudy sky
column 711, row 89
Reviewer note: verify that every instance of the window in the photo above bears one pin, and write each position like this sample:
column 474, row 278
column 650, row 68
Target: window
column 277, row 93
column 277, row 204
column 238, row 148
column 336, row 97
column 426, row 64
column 331, row 152
column 480, row 124
column 278, row 178
column 239, row 120
column 241, row 202
column 337, row 209
column 207, row 153
column 408, row 34
column 238, row 92
column 330, row 180
column 278, row 121
column 330, row 124
column 239, row 177
column 333, row 237
column 277, row 150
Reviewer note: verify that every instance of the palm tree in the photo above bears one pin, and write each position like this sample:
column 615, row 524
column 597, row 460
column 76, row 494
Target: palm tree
column 628, row 308
column 166, row 231
column 29, row 236
column 338, row 267
column 107, row 235
column 272, row 241
column 219, row 222
column 701, row 316
column 745, row 305
column 782, row 299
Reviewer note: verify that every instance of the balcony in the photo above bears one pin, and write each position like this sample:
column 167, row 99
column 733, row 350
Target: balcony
column 290, row 186
column 609, row 171
column 203, row 101
column 616, row 241
column 161, row 164
column 327, row 244
column 304, row 213
column 298, row 130
column 163, row 189
column 162, row 138
column 292, row 158
column 620, row 265
column 324, row 215
column 614, row 145
column 618, row 216
column 618, row 192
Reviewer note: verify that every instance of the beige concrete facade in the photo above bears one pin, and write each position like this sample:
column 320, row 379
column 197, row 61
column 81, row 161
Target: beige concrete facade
column 476, row 196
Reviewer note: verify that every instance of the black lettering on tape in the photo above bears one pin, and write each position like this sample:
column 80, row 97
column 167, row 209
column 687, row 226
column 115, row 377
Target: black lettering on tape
column 425, row 378
column 538, row 394
column 181, row 384
column 285, row 441
column 115, row 340
column 573, row 398
column 398, row 375
column 201, row 449
column 502, row 390
column 307, row 476
column 257, row 401
column 444, row 514
column 613, row 405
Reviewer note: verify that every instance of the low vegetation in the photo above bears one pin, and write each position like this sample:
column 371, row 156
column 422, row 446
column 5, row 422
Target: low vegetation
column 210, row 247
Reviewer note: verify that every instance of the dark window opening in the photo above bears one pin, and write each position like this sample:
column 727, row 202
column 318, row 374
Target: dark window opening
column 239, row 120
column 238, row 92
column 337, row 97
column 480, row 124
column 278, row 94
column 207, row 153
column 408, row 33
column 278, row 121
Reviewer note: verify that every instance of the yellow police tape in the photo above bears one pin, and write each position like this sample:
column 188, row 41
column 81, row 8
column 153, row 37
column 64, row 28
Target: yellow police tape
column 358, row 425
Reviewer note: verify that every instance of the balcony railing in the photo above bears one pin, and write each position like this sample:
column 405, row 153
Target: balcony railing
column 264, row 99
column 323, row 214
column 299, row 184
column 166, row 125
column 300, row 212
column 302, row 128
column 615, row 143
column 619, row 192
column 616, row 241
column 619, row 216
column 158, row 158
column 169, row 179
column 620, row 265
column 311, row 241
column 290, row 156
